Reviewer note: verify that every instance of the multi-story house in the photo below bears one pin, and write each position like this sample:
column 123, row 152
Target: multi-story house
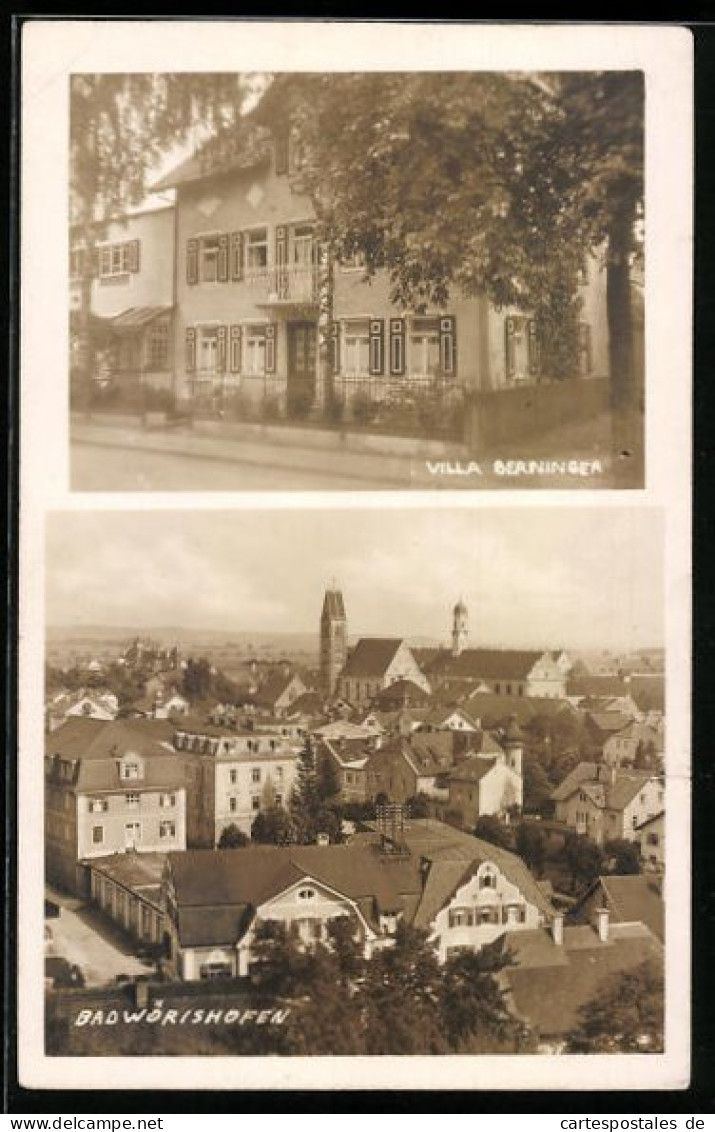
column 132, row 294
column 232, row 775
column 607, row 804
column 252, row 290
column 109, row 788
column 465, row 892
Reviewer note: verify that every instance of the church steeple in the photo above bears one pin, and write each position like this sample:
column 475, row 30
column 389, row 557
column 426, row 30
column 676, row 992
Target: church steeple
column 460, row 630
column 333, row 639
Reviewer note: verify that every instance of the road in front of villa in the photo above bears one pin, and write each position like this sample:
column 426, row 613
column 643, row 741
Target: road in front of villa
column 83, row 936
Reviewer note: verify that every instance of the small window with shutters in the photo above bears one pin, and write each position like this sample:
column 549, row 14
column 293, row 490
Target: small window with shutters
column 256, row 245
column 356, row 347
column 377, row 346
column 209, row 259
column 397, row 345
column 254, row 349
column 425, row 346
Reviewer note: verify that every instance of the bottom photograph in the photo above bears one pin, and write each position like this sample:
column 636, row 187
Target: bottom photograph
column 354, row 782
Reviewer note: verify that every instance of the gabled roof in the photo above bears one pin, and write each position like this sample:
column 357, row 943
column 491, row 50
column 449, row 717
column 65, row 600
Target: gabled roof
column 472, row 770
column 613, row 792
column 371, row 657
column 548, row 985
column 249, row 146
column 583, row 772
column 80, row 737
column 609, row 722
column 496, row 664
column 229, row 882
column 402, row 690
column 629, row 899
column 492, row 709
column 270, row 691
column 102, row 775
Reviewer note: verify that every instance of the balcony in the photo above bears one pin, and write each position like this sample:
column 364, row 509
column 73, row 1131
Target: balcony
column 284, row 286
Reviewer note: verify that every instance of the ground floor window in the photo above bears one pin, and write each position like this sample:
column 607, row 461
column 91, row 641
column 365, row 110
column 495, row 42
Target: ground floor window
column 423, row 347
column 215, row 971
column 356, row 347
column 157, row 345
column 254, row 350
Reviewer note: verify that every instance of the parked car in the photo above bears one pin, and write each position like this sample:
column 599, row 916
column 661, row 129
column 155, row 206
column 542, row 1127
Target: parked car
column 62, row 973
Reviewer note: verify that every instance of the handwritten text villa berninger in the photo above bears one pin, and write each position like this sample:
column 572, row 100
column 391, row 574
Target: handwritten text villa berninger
column 517, row 468
column 157, row 1015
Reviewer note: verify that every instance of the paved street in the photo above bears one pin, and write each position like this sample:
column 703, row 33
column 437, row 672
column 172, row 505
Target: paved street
column 81, row 935
column 114, row 459
column 97, row 467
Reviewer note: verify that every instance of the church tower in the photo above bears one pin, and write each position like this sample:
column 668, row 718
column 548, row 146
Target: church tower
column 333, row 639
column 460, row 631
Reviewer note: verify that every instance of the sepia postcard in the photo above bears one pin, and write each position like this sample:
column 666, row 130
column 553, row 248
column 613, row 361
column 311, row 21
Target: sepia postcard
column 355, row 575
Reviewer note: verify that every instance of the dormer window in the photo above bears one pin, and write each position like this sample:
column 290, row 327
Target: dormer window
column 130, row 770
column 488, row 877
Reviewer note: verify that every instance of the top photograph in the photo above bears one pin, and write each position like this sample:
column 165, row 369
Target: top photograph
column 365, row 281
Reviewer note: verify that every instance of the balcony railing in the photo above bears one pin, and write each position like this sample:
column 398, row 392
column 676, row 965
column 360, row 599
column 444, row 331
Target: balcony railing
column 284, row 285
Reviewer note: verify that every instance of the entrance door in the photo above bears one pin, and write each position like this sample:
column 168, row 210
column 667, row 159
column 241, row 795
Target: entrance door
column 302, row 357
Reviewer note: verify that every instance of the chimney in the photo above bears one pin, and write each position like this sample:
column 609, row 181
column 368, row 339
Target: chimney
column 557, row 929
column 602, row 924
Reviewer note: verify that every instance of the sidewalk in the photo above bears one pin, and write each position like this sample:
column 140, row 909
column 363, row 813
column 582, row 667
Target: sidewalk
column 572, row 456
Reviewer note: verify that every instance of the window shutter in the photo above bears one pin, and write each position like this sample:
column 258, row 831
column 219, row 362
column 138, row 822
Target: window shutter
column 448, row 344
column 190, row 349
column 377, row 345
column 134, row 256
column 533, row 348
column 221, row 351
column 397, row 345
column 335, row 346
column 509, row 329
column 192, row 261
column 271, row 347
column 222, row 273
column 281, row 261
column 236, row 256
column 235, row 350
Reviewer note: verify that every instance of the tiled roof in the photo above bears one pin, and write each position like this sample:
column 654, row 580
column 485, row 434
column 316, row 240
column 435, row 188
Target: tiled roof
column 371, row 657
column 614, row 795
column 583, row 772
column 247, row 878
column 629, row 899
column 609, row 721
column 549, row 994
column 83, row 738
column 250, row 146
column 497, row 664
column 102, row 775
column 492, row 709
column 472, row 770
column 590, row 685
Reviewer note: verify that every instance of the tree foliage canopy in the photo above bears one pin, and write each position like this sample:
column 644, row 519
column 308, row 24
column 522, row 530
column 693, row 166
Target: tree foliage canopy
column 626, row 1016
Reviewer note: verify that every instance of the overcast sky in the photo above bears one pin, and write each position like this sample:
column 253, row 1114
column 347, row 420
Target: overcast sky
column 530, row 577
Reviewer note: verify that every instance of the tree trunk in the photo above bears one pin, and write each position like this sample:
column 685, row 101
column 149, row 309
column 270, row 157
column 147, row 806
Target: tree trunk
column 325, row 330
column 627, row 439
